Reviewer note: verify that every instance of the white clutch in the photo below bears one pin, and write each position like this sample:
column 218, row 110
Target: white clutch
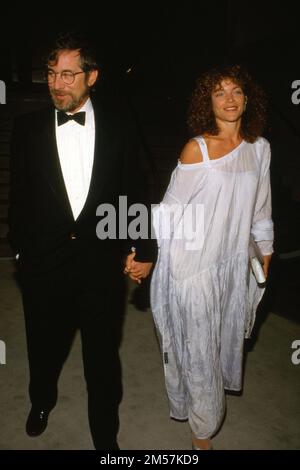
column 256, row 261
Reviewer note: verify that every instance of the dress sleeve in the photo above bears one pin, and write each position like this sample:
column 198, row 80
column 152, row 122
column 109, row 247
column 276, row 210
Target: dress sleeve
column 185, row 181
column 262, row 224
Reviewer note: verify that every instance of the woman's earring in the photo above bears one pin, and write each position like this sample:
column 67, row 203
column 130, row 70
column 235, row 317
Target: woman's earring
column 245, row 103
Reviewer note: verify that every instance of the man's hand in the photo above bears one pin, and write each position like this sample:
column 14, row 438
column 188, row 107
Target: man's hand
column 135, row 269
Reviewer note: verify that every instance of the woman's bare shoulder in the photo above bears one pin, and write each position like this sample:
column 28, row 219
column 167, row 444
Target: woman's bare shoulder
column 191, row 152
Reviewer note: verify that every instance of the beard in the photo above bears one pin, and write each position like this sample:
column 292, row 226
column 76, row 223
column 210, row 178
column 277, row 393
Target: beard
column 68, row 101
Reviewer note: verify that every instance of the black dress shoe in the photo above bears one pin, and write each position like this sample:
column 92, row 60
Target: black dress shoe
column 37, row 421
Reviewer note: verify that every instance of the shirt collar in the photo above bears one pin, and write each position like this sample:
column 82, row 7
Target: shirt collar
column 87, row 107
column 89, row 116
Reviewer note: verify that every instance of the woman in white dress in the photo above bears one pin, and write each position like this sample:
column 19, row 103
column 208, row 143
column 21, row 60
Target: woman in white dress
column 203, row 294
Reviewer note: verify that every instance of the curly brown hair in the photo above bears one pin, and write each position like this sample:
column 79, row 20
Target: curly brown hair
column 201, row 118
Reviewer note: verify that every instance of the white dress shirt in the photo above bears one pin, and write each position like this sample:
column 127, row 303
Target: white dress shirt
column 75, row 144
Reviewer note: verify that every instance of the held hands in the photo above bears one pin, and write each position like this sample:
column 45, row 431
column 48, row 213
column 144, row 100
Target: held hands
column 135, row 269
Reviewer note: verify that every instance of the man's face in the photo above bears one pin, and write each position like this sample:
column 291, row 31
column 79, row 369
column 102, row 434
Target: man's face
column 70, row 97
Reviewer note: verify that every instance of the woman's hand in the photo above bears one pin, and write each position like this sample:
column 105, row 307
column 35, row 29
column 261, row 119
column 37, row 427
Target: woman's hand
column 266, row 265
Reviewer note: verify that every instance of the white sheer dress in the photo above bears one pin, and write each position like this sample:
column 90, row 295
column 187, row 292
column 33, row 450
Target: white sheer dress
column 203, row 295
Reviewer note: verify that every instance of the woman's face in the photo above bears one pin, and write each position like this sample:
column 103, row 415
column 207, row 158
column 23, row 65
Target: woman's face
column 228, row 101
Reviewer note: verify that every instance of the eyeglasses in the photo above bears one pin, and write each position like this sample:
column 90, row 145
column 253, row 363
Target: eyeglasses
column 67, row 77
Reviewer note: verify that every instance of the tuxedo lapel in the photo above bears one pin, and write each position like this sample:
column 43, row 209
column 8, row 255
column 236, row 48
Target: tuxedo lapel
column 51, row 168
column 100, row 163
column 50, row 162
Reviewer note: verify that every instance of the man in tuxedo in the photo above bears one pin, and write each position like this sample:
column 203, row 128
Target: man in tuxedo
column 65, row 162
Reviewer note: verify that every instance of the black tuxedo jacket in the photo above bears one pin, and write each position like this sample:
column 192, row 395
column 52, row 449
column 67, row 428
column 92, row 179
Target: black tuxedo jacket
column 42, row 228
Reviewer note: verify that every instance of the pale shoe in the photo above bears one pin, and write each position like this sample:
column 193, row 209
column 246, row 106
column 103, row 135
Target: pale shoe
column 194, row 447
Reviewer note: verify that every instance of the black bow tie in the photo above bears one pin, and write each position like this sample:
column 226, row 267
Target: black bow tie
column 62, row 117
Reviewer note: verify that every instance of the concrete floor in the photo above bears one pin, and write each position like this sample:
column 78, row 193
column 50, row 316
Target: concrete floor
column 265, row 416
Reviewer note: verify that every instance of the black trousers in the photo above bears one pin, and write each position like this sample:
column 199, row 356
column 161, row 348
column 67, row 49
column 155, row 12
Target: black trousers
column 56, row 304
